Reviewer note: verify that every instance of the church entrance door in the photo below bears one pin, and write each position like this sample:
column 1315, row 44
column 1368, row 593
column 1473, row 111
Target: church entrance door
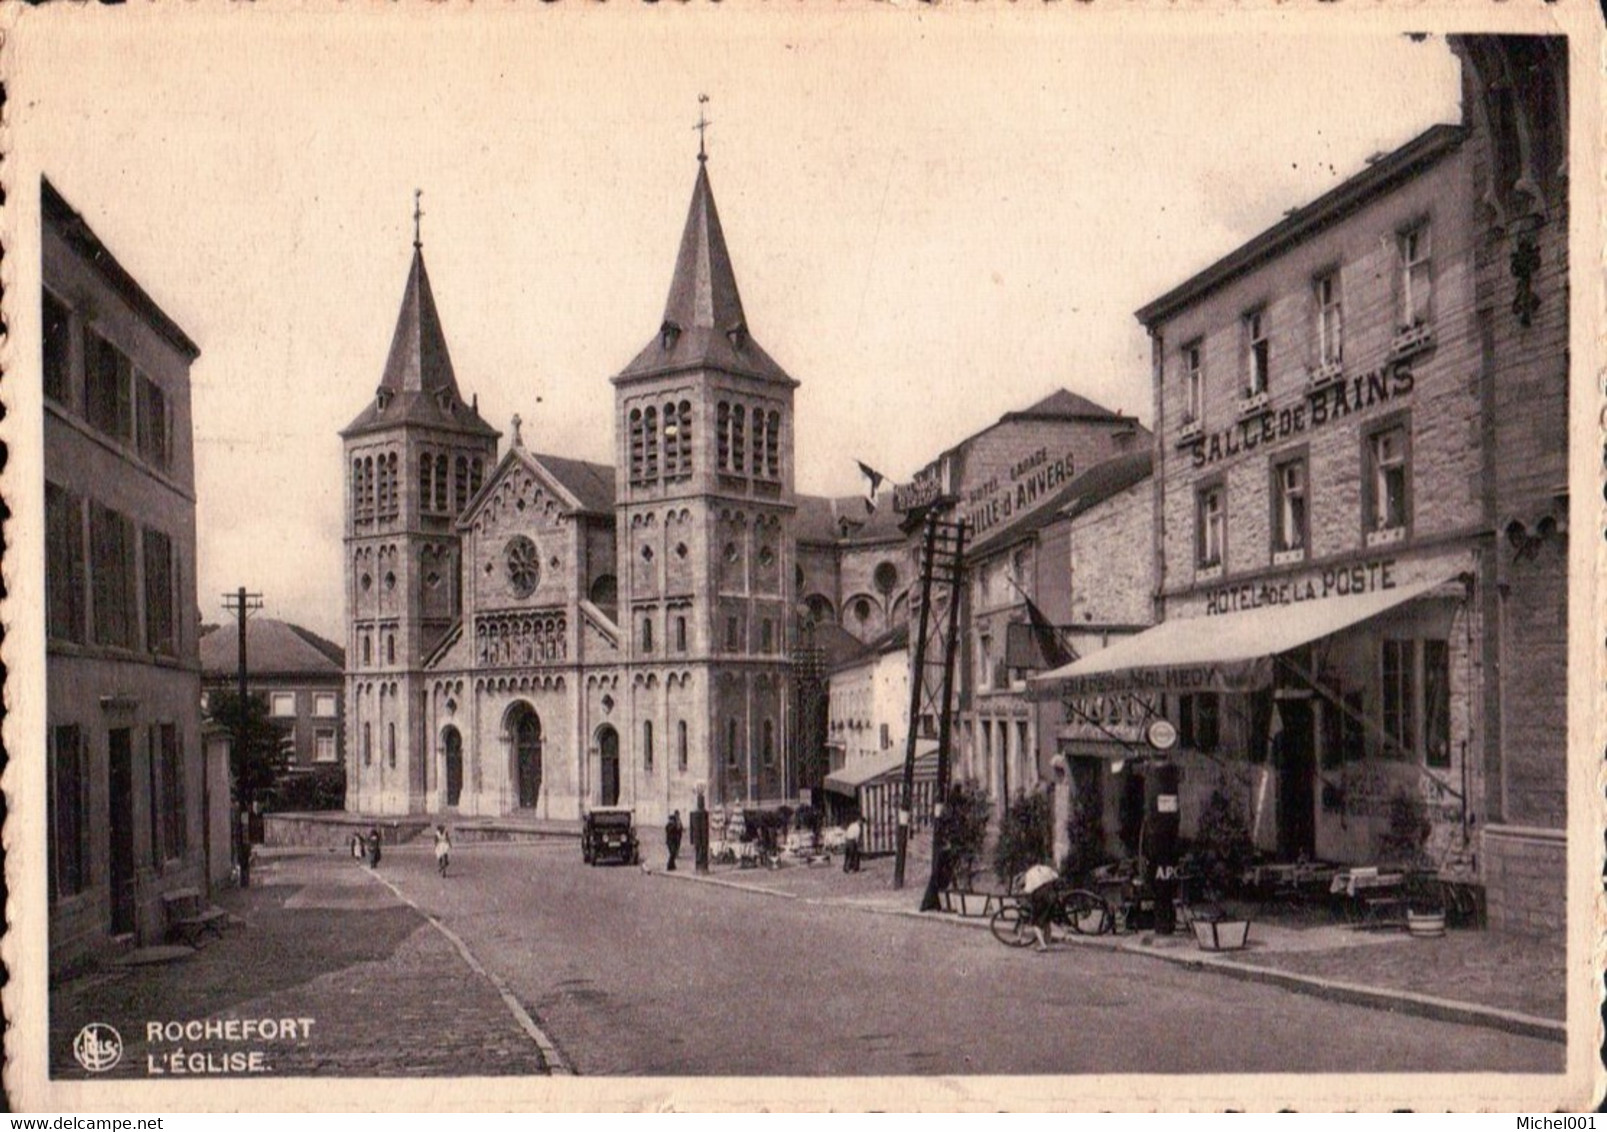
column 527, row 756
column 608, row 756
column 454, row 765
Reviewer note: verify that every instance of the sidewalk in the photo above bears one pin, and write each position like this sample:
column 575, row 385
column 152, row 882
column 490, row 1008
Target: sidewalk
column 315, row 937
column 1477, row 977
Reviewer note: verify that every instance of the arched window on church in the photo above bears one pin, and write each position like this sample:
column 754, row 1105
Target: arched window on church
column 680, row 745
column 683, row 438
column 722, row 425
column 396, row 485
column 739, row 448
column 638, row 447
column 474, row 476
column 368, row 650
column 390, row 744
column 647, row 744
column 438, row 488
column 758, row 442
column 772, row 446
column 382, row 492
column 426, row 476
column 368, row 487
column 460, row 486
column 357, row 489
column 650, row 436
column 368, row 744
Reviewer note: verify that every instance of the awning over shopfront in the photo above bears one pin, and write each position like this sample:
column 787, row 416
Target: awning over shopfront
column 887, row 768
column 1230, row 652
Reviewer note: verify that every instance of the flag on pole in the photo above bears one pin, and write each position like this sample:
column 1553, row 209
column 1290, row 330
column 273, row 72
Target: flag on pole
column 1047, row 637
column 873, row 479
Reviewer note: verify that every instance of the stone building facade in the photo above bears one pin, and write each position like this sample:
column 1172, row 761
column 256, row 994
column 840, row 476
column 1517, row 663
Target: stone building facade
column 123, row 684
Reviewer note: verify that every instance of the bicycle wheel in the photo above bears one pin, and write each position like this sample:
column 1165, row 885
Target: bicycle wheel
column 1087, row 912
column 1012, row 927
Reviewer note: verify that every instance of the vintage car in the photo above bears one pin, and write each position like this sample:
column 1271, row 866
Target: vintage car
column 609, row 835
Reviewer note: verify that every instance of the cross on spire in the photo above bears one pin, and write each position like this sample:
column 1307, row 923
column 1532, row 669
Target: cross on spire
column 418, row 214
column 702, row 127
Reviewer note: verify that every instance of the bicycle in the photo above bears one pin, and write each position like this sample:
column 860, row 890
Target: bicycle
column 1076, row 909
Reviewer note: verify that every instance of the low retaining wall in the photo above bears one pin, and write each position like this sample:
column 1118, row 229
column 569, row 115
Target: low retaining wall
column 1526, row 879
column 334, row 830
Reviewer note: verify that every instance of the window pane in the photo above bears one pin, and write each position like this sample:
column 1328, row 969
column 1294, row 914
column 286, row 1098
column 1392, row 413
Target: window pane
column 64, row 563
column 159, row 595
column 112, row 552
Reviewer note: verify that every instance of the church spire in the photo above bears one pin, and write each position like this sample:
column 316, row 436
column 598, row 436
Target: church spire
column 418, row 384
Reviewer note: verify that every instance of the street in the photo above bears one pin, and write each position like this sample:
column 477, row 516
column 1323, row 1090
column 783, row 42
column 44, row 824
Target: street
column 631, row 973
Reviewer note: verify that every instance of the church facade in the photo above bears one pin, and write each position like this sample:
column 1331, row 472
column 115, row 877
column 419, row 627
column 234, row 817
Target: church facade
column 539, row 635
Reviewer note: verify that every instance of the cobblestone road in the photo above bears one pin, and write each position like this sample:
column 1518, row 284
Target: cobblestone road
column 387, row 993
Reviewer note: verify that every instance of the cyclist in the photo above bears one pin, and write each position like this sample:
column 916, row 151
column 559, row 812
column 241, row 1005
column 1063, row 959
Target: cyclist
column 1039, row 885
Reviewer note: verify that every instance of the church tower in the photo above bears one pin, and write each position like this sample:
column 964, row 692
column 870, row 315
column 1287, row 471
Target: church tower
column 415, row 456
column 704, row 519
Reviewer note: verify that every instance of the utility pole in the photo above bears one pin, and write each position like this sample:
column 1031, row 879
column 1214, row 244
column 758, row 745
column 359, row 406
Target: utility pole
column 917, row 679
column 952, row 571
column 242, row 604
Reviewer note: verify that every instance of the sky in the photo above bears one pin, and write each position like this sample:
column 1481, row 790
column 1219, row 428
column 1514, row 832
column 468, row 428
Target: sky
column 936, row 216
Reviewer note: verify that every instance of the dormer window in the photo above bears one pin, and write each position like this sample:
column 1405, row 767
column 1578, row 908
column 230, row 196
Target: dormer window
column 443, row 399
column 668, row 335
column 382, row 398
column 738, row 335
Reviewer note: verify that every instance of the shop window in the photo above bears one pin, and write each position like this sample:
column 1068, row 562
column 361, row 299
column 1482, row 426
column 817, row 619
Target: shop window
column 64, row 564
column 1416, row 699
column 1344, row 740
column 681, row 750
column 111, row 541
column 282, row 704
column 1289, row 507
column 57, row 350
column 175, row 822
column 1194, row 382
column 323, row 745
column 1199, row 721
column 68, row 808
column 1257, row 353
column 108, row 379
column 1330, row 319
column 1417, row 281
column 1210, row 527
column 1385, row 498
column 161, row 606
column 154, row 430
column 647, row 745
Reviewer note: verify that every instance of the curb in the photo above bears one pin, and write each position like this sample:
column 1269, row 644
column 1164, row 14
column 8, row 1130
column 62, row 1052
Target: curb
column 1398, row 1002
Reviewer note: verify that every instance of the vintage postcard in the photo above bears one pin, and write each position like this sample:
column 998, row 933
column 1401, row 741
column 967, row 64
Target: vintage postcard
column 958, row 556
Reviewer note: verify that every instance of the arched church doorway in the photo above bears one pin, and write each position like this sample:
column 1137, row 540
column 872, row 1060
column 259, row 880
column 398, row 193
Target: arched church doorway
column 525, row 727
column 452, row 741
column 608, row 759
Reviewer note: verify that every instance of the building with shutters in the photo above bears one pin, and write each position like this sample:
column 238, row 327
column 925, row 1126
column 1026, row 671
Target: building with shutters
column 123, row 738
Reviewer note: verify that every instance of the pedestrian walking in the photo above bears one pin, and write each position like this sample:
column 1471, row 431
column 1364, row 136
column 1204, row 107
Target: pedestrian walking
column 672, row 839
column 373, row 847
column 359, row 847
column 443, row 848
column 851, row 838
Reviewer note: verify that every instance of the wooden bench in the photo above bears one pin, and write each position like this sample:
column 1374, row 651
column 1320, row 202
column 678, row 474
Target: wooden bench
column 188, row 920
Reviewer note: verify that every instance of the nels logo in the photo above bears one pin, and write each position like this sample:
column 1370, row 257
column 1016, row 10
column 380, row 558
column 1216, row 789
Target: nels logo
column 98, row 1047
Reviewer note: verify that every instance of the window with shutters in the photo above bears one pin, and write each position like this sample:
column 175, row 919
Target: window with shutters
column 161, row 604
column 108, row 388
column 57, row 327
column 154, row 440
column 68, row 810
column 64, row 564
column 175, row 820
column 111, row 547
